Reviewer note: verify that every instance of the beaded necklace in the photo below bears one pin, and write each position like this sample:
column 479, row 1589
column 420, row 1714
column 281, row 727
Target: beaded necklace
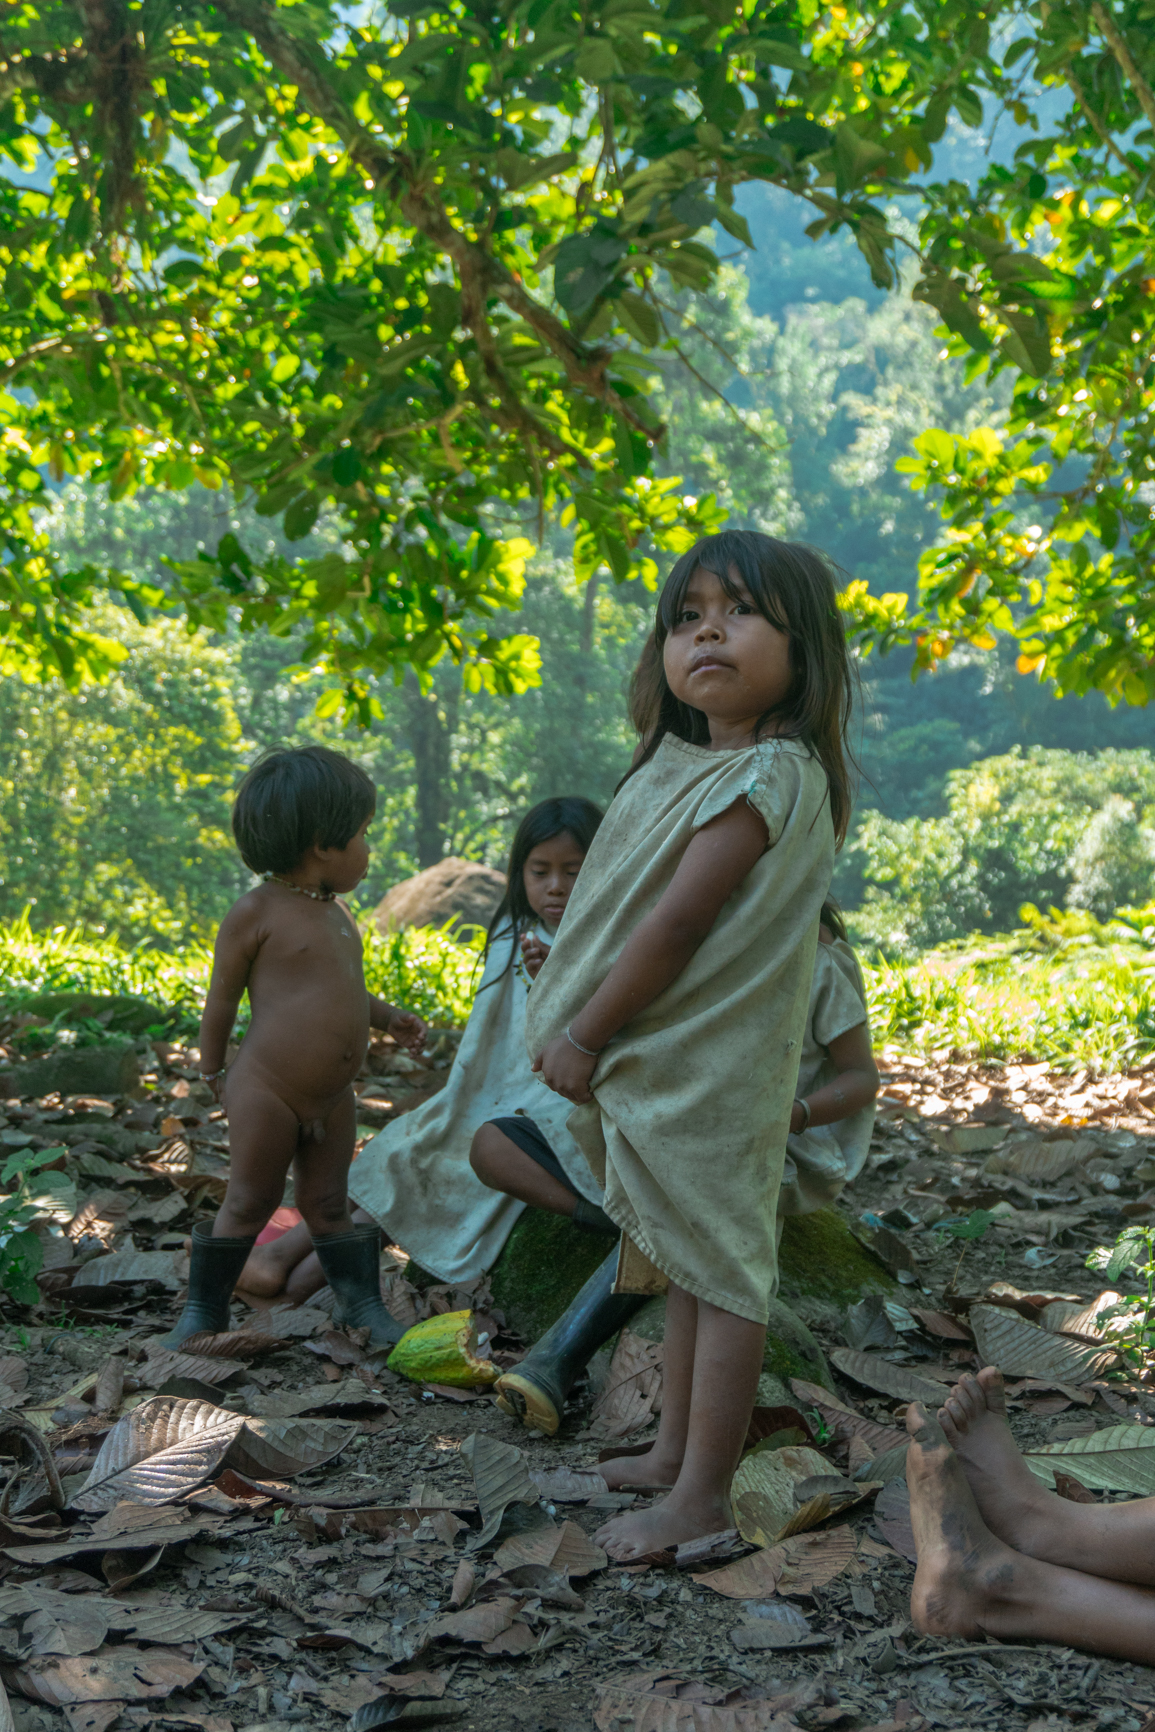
column 300, row 889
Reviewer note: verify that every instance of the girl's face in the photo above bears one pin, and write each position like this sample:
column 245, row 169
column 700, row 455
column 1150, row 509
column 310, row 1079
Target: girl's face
column 549, row 875
column 725, row 658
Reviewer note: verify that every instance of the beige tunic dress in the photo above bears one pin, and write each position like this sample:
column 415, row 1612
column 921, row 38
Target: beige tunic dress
column 823, row 1158
column 693, row 1096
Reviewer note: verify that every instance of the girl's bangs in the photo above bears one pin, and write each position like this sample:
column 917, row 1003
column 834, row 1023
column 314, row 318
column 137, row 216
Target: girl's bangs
column 716, row 555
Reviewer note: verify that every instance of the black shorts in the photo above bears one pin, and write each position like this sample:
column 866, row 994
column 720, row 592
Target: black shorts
column 525, row 1134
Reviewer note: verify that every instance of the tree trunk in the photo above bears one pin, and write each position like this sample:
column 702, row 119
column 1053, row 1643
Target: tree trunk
column 429, row 742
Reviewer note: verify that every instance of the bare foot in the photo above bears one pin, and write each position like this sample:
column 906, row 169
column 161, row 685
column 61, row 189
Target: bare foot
column 649, row 1469
column 1011, row 1500
column 966, row 1580
column 670, row 1522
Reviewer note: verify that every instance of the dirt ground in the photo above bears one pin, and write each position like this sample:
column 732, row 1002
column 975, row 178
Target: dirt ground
column 279, row 1610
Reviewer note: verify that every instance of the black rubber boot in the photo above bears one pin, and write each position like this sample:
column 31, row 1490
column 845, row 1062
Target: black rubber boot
column 593, row 1219
column 214, row 1268
column 535, row 1390
column 351, row 1263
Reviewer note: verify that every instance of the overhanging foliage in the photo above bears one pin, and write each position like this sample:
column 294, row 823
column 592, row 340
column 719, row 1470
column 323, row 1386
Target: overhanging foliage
column 403, row 272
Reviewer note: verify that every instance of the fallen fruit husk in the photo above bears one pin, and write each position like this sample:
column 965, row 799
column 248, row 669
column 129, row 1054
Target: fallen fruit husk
column 443, row 1350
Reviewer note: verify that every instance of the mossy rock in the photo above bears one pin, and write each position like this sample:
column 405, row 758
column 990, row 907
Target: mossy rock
column 107, row 1069
column 545, row 1262
column 791, row 1350
column 820, row 1258
column 121, row 1013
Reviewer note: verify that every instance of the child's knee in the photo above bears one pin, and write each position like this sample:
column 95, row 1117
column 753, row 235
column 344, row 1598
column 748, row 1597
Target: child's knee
column 485, row 1156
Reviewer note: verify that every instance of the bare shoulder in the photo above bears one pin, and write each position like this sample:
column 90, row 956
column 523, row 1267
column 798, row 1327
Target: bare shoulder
column 249, row 920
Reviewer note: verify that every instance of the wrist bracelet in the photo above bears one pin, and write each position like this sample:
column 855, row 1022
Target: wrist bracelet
column 590, row 1052
column 213, row 1075
column 805, row 1105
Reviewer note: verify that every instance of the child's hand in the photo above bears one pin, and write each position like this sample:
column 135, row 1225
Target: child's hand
column 566, row 1070
column 533, row 954
column 407, row 1030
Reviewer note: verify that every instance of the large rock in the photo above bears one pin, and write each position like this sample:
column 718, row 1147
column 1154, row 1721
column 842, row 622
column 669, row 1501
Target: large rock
column 819, row 1258
column 122, row 1013
column 107, row 1069
column 546, row 1260
column 458, row 890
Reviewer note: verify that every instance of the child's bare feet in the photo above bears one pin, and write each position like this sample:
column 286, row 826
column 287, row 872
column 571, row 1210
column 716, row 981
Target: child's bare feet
column 652, row 1468
column 965, row 1576
column 671, row 1522
column 1011, row 1500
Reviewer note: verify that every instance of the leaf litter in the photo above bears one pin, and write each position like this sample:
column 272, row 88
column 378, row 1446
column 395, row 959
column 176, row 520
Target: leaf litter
column 358, row 1554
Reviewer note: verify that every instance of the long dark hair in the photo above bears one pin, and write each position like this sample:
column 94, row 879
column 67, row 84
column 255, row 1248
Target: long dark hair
column 794, row 587
column 549, row 818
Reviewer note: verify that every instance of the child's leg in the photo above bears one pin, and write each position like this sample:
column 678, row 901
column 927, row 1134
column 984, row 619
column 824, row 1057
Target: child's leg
column 321, row 1171
column 663, row 1461
column 263, row 1137
column 727, row 1362
column 501, row 1165
column 270, row 1266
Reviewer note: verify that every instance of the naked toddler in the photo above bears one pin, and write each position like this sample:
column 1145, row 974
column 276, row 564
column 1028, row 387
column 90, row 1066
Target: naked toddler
column 299, row 819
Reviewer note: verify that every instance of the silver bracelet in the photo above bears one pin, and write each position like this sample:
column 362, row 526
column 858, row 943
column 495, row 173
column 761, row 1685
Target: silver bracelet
column 805, row 1105
column 210, row 1076
column 589, row 1052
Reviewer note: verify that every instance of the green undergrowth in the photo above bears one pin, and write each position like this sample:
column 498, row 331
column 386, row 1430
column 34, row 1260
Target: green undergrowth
column 420, row 967
column 1065, row 989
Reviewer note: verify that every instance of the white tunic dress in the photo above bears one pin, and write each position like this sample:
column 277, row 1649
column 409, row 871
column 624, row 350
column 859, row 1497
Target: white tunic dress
column 415, row 1179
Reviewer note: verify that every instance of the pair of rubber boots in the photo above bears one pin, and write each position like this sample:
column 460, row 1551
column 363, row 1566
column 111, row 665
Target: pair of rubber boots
column 535, row 1390
column 351, row 1263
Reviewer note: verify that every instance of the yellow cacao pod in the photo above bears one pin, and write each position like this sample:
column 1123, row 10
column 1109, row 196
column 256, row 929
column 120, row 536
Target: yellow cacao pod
column 443, row 1350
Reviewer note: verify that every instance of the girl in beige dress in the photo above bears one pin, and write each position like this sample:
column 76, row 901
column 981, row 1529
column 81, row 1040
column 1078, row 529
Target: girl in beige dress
column 672, row 1007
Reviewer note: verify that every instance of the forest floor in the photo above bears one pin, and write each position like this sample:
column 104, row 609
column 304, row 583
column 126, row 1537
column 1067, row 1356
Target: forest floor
column 255, row 1591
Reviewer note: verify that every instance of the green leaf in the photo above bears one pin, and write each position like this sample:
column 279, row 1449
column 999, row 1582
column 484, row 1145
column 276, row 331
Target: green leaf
column 347, row 466
column 974, row 1226
column 639, row 318
column 300, row 517
column 1027, row 343
column 854, row 156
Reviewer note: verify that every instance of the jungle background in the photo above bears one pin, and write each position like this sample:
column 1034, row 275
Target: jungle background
column 980, row 790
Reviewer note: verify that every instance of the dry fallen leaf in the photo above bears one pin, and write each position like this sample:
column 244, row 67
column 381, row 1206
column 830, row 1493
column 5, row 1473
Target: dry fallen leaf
column 163, row 1363
column 772, row 1498
column 501, row 1477
column 661, row 1702
column 482, row 1623
column 7, row 1724
column 812, row 1560
column 939, row 1323
column 1121, row 1458
column 778, row 1626
column 283, row 1447
column 464, row 1577
column 878, row 1373
column 160, row 1451
column 106, row 1397
column 168, row 1267
column 124, row 1674
column 753, row 1578
column 229, row 1344
column 1022, row 1349
column 568, row 1484
column 632, row 1391
column 566, row 1549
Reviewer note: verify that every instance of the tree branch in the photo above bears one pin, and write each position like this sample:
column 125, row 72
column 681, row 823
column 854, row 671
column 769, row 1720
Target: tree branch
column 478, row 270
column 1117, row 43
column 1100, row 126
